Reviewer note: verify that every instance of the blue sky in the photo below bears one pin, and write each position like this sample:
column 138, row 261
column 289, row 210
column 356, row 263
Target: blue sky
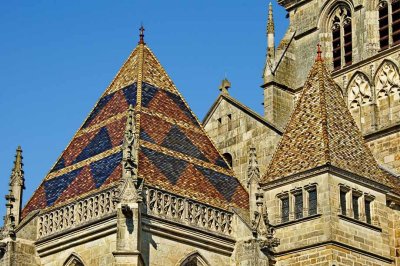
column 57, row 58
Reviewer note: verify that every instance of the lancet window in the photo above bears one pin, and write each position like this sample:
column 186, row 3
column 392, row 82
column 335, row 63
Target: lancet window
column 389, row 23
column 342, row 38
column 312, row 201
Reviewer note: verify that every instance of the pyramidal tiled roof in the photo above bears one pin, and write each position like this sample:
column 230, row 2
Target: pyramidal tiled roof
column 321, row 131
column 175, row 153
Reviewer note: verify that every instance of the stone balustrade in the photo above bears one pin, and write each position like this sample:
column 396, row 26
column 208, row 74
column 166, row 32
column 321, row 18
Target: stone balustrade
column 77, row 213
column 158, row 203
column 183, row 210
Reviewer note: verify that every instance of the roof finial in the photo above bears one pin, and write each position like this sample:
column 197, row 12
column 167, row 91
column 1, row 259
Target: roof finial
column 141, row 40
column 225, row 85
column 319, row 52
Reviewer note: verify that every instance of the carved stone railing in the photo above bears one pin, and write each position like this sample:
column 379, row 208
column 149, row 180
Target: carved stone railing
column 183, row 210
column 158, row 203
column 77, row 213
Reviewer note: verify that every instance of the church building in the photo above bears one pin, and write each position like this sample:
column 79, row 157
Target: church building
column 312, row 181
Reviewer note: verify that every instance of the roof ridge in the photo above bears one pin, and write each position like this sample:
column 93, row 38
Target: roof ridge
column 324, row 112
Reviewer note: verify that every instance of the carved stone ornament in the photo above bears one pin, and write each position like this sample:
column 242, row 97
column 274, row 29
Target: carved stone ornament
column 360, row 92
column 253, row 171
column 130, row 188
column 387, row 80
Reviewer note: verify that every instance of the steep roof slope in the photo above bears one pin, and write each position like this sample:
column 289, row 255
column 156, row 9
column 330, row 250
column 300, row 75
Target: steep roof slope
column 321, row 131
column 175, row 153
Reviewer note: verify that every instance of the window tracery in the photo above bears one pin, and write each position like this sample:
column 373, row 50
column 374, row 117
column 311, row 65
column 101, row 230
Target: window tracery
column 387, row 80
column 360, row 92
column 342, row 37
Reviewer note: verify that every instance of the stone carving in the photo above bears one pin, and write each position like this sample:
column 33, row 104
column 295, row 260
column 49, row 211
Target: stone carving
column 360, row 92
column 173, row 207
column 77, row 213
column 341, row 17
column 129, row 189
column 387, row 80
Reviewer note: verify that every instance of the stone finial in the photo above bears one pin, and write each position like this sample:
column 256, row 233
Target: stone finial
column 17, row 173
column 14, row 197
column 225, row 85
column 141, row 35
column 270, row 24
column 253, row 171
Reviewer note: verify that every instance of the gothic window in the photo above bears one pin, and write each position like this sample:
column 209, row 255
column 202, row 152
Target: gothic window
column 342, row 38
column 298, row 204
column 219, row 122
column 367, row 207
column 228, row 158
column 229, row 122
column 312, row 201
column 343, row 201
column 285, row 209
column 396, row 21
column 356, row 209
column 194, row 259
column 384, row 25
column 389, row 23
column 73, row 260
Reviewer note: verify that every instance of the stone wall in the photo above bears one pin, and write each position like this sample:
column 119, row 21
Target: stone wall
column 160, row 251
column 350, row 239
column 95, row 252
column 234, row 132
column 387, row 150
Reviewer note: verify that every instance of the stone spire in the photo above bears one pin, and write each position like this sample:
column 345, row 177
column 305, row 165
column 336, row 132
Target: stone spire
column 225, row 85
column 270, row 60
column 17, row 185
column 14, row 197
column 270, row 24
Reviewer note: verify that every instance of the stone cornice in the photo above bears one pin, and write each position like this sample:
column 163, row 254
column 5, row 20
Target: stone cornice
column 190, row 235
column 323, row 170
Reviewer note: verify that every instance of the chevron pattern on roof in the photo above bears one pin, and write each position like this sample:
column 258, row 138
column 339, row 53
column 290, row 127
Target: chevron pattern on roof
column 175, row 153
column 321, row 131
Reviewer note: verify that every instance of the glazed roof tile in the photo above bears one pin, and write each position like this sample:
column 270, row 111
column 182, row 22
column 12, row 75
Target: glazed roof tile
column 321, row 131
column 175, row 153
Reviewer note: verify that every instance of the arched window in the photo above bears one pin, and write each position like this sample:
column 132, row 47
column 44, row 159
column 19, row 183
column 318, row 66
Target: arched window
column 384, row 25
column 194, row 259
column 228, row 158
column 73, row 260
column 389, row 23
column 342, row 37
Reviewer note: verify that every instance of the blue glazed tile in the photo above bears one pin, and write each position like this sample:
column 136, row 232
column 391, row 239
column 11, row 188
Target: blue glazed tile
column 171, row 167
column 176, row 140
column 100, row 143
column 54, row 187
column 103, row 168
column 59, row 165
column 148, row 93
column 226, row 185
column 130, row 94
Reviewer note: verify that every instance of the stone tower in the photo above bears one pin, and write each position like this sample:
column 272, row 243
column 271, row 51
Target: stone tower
column 360, row 42
column 330, row 201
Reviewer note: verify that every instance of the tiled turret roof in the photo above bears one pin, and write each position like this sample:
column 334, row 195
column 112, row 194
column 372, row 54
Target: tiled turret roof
column 320, row 132
column 175, row 153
